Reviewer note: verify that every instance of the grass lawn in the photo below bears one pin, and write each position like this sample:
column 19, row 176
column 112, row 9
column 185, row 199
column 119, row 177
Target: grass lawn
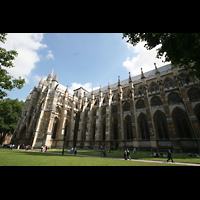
column 144, row 155
column 28, row 158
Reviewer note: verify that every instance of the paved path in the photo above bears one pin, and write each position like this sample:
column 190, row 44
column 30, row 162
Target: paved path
column 132, row 160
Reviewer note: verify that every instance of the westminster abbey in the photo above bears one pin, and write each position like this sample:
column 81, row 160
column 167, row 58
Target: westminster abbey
column 156, row 110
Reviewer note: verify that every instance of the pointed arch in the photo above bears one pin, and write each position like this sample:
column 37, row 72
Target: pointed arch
column 140, row 104
column 168, row 83
column 143, row 127
column 55, row 127
column 174, row 97
column 197, row 112
column 161, row 126
column 126, row 106
column 154, row 87
column 128, row 128
column 194, row 94
column 156, row 101
column 182, row 123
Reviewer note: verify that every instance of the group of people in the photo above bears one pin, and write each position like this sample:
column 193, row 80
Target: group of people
column 127, row 154
column 44, row 149
column 73, row 150
column 169, row 155
column 194, row 155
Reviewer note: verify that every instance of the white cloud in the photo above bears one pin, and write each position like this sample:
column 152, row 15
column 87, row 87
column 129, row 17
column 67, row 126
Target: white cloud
column 27, row 45
column 142, row 58
column 49, row 55
column 87, row 86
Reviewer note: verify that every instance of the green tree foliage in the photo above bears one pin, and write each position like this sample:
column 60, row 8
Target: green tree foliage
column 7, row 82
column 9, row 113
column 182, row 49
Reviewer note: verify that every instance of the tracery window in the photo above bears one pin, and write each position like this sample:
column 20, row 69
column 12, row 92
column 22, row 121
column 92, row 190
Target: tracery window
column 143, row 126
column 114, row 109
column 161, row 125
column 128, row 128
column 154, row 87
column 140, row 104
column 174, row 98
column 168, row 83
column 156, row 101
column 182, row 123
column 194, row 94
column 126, row 106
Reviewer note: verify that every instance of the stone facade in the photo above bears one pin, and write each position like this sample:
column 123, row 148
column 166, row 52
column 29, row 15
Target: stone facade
column 156, row 110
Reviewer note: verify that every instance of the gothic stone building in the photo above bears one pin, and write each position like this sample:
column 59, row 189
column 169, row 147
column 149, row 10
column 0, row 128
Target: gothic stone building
column 156, row 110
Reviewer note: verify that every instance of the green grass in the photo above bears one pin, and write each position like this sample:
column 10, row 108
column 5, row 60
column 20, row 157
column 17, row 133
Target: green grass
column 144, row 155
column 28, row 158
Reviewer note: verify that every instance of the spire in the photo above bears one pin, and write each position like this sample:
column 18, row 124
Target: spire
column 50, row 76
column 130, row 79
column 156, row 69
column 55, row 78
column 142, row 74
column 100, row 89
column 41, row 81
column 109, row 87
column 119, row 82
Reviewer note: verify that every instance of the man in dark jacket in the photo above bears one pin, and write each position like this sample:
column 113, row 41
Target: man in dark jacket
column 169, row 156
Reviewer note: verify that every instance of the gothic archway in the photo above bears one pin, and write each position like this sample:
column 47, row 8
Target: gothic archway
column 55, row 127
column 115, row 132
column 143, row 127
column 160, row 123
column 128, row 128
column 182, row 124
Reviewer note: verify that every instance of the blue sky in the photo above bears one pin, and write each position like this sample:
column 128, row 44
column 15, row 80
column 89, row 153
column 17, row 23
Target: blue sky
column 80, row 59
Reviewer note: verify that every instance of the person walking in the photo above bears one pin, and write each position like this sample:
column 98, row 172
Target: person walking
column 169, row 156
column 128, row 154
column 45, row 148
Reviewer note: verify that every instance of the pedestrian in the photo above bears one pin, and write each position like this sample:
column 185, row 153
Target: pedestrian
column 45, row 148
column 125, row 155
column 128, row 154
column 75, row 151
column 42, row 148
column 169, row 156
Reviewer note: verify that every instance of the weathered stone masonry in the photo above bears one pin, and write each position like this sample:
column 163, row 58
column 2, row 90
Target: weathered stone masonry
column 156, row 110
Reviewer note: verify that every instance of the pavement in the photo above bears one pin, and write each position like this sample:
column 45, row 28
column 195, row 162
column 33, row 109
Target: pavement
column 132, row 160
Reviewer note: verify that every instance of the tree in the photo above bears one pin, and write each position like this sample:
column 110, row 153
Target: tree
column 182, row 49
column 9, row 114
column 7, row 82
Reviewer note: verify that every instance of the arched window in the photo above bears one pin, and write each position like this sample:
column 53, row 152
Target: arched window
column 103, row 125
column 174, row 98
column 161, row 125
column 128, row 128
column 182, row 123
column 140, row 104
column 114, row 109
column 55, row 129
column 115, row 129
column 143, row 127
column 168, row 83
column 126, row 106
column 194, row 94
column 156, row 101
column 154, row 87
